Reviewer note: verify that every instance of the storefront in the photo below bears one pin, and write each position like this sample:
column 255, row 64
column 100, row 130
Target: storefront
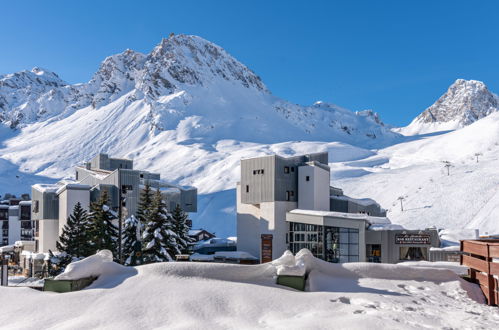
column 346, row 237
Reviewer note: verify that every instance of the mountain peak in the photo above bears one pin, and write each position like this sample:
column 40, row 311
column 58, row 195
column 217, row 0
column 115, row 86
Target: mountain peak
column 465, row 102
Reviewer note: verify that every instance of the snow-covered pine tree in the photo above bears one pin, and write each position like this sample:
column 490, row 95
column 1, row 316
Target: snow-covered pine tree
column 158, row 240
column 144, row 205
column 103, row 232
column 57, row 263
column 181, row 229
column 132, row 245
column 75, row 234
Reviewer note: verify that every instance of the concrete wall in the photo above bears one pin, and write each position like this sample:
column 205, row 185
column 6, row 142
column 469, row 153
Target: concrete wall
column 248, row 226
column 14, row 226
column 67, row 201
column 253, row 220
column 313, row 194
column 48, row 235
column 48, row 205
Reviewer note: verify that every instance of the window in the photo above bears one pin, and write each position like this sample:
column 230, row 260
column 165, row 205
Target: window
column 292, row 169
column 254, row 172
column 36, row 205
column 287, row 195
column 291, row 193
column 307, row 178
column 286, row 169
column 141, row 175
column 25, row 212
column 4, row 214
column 126, row 187
column 262, row 171
column 373, row 252
column 247, row 188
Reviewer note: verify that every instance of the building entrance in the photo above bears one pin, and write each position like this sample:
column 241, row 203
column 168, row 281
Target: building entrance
column 413, row 253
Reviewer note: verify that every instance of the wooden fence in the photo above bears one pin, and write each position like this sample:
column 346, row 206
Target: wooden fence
column 478, row 256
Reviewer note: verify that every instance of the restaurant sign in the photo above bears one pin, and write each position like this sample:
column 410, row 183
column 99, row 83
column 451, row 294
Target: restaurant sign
column 412, row 239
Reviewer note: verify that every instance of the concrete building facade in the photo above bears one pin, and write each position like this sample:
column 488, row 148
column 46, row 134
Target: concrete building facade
column 15, row 220
column 287, row 203
column 54, row 203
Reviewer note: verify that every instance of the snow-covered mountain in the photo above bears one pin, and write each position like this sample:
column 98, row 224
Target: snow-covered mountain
column 190, row 111
column 465, row 102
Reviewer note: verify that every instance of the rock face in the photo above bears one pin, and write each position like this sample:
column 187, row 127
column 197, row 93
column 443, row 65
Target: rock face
column 465, row 102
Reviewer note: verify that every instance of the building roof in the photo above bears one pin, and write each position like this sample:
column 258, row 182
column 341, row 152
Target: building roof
column 46, row 188
column 348, row 216
column 73, row 186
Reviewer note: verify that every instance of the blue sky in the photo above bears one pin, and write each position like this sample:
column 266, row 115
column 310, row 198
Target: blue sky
column 396, row 57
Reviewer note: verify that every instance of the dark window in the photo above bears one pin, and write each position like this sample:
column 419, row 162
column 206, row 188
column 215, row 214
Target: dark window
column 247, row 188
column 286, row 169
column 287, row 195
column 76, row 175
column 4, row 214
column 292, row 169
column 262, row 171
column 36, row 205
column 126, row 187
column 141, row 175
column 291, row 193
column 254, row 172
column 25, row 212
column 307, row 178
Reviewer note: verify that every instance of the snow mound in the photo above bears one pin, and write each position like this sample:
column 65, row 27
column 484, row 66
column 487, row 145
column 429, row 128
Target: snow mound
column 96, row 265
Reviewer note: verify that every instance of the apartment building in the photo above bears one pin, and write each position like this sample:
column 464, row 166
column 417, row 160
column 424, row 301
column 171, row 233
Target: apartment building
column 53, row 203
column 288, row 203
column 15, row 220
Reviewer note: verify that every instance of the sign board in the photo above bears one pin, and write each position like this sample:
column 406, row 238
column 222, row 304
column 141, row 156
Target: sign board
column 266, row 248
column 412, row 239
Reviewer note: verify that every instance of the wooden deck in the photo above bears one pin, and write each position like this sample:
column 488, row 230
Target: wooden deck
column 478, row 256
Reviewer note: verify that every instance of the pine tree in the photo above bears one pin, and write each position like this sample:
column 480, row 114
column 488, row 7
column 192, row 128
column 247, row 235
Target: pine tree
column 56, row 264
column 181, row 229
column 144, row 205
column 132, row 246
column 159, row 243
column 103, row 233
column 75, row 234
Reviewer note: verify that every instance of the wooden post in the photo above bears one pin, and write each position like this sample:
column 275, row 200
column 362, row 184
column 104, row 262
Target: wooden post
column 490, row 279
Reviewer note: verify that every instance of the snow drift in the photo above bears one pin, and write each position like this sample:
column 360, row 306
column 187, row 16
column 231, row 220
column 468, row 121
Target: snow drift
column 226, row 296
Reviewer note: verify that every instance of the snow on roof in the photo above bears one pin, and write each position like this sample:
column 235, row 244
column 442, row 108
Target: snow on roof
column 194, row 232
column 77, row 186
column 14, row 207
column 201, row 257
column 7, row 248
column 46, row 187
column 385, row 226
column 234, row 255
column 360, row 201
column 349, row 216
column 3, row 206
column 25, row 203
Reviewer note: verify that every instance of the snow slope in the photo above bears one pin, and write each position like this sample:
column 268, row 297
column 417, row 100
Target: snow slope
column 467, row 198
column 224, row 296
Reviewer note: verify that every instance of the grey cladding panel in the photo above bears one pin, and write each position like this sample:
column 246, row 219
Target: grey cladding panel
column 257, row 180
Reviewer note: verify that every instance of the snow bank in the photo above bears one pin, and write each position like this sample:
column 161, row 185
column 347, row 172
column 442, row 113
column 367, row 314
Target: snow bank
column 189, row 295
column 94, row 266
